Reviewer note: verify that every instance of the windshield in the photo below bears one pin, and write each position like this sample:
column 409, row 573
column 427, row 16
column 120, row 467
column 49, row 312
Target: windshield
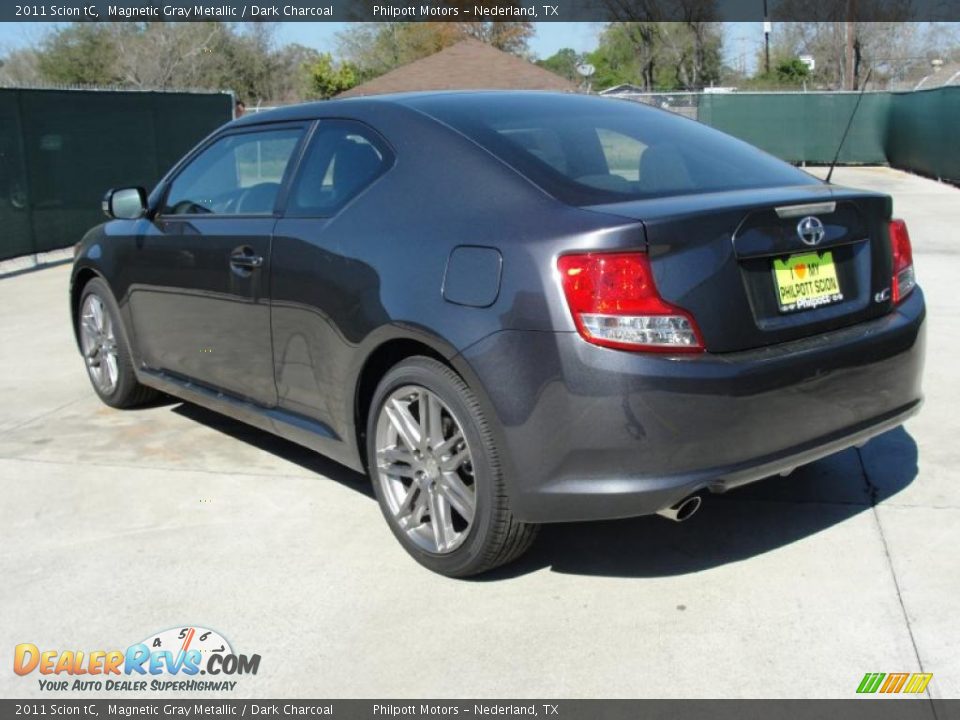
column 588, row 150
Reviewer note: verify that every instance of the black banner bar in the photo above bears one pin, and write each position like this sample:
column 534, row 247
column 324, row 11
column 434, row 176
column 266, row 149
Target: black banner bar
column 920, row 708
column 486, row 10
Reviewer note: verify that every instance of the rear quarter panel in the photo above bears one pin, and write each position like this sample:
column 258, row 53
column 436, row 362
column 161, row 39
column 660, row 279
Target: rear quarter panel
column 375, row 271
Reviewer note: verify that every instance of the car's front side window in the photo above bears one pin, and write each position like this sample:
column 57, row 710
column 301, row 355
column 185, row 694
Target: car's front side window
column 238, row 174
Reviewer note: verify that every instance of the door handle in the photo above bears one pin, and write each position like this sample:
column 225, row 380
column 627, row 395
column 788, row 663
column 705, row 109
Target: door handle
column 244, row 258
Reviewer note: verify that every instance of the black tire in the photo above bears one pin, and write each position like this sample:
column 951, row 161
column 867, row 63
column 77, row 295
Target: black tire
column 495, row 537
column 127, row 392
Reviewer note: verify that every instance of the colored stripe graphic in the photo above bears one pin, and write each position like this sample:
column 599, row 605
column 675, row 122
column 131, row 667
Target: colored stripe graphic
column 893, row 683
column 870, row 682
column 918, row 682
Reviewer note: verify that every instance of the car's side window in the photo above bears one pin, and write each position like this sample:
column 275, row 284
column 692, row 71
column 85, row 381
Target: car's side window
column 344, row 157
column 238, row 174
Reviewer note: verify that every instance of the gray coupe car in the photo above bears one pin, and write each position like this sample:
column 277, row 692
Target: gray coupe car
column 508, row 308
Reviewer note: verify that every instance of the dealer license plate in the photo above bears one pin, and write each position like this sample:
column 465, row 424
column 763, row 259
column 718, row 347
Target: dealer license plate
column 806, row 281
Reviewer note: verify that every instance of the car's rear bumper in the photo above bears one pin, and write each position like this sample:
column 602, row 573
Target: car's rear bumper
column 590, row 433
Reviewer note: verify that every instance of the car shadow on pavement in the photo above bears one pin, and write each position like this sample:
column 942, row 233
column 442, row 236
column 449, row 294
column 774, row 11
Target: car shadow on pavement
column 289, row 451
column 737, row 525
column 740, row 524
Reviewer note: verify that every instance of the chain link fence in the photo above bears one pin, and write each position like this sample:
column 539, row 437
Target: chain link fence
column 682, row 103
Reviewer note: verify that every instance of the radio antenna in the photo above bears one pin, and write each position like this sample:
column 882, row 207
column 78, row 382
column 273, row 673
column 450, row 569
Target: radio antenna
column 849, row 125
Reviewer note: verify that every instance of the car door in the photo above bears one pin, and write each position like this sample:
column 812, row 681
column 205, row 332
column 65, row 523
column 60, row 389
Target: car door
column 200, row 290
column 324, row 300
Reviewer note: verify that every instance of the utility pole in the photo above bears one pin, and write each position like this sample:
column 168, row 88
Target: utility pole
column 766, row 38
column 851, row 31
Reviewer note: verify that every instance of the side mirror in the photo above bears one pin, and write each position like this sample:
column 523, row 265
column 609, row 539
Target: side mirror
column 125, row 203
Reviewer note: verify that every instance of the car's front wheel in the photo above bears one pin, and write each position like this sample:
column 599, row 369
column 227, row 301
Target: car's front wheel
column 105, row 350
column 436, row 472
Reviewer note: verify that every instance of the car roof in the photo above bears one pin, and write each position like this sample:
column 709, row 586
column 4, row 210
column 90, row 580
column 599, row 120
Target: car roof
column 361, row 105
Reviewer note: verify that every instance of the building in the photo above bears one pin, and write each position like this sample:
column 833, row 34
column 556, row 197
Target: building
column 468, row 65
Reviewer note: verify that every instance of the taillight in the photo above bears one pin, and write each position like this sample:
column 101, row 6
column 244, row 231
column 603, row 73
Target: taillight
column 904, row 278
column 615, row 303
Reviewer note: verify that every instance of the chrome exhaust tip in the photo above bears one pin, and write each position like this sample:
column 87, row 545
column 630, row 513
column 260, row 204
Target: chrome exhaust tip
column 683, row 510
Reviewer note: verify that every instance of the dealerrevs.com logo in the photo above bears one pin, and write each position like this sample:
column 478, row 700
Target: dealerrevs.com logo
column 171, row 660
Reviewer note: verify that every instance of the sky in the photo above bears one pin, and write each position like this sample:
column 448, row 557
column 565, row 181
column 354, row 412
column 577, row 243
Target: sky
column 741, row 38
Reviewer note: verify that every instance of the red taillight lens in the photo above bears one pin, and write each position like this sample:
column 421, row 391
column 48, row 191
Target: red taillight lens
column 615, row 303
column 904, row 277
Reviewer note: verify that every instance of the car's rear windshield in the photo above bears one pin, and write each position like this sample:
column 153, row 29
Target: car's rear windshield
column 589, row 150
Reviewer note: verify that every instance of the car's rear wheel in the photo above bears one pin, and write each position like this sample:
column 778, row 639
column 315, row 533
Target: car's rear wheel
column 105, row 350
column 436, row 472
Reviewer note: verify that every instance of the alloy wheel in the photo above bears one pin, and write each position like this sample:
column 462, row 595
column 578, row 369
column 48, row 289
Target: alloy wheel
column 99, row 344
column 425, row 469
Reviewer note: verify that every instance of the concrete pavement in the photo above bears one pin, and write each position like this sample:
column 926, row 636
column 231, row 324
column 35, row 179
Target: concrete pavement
column 115, row 525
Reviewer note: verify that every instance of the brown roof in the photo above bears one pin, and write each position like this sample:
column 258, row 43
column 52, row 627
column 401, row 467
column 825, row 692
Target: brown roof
column 468, row 65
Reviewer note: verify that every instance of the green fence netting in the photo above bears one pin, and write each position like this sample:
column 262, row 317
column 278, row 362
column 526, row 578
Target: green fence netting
column 923, row 134
column 912, row 130
column 803, row 127
column 60, row 150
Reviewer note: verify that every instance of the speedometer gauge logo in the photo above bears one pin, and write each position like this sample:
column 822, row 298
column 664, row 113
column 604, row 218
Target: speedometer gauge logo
column 184, row 639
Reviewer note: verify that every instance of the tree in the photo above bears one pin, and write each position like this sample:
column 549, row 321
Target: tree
column 676, row 43
column 167, row 56
column 511, row 37
column 377, row 48
column 564, row 63
column 79, row 54
column 792, row 71
column 850, row 37
column 616, row 59
column 659, row 55
column 293, row 80
column 19, row 68
column 787, row 72
column 691, row 57
column 639, row 39
column 328, row 79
